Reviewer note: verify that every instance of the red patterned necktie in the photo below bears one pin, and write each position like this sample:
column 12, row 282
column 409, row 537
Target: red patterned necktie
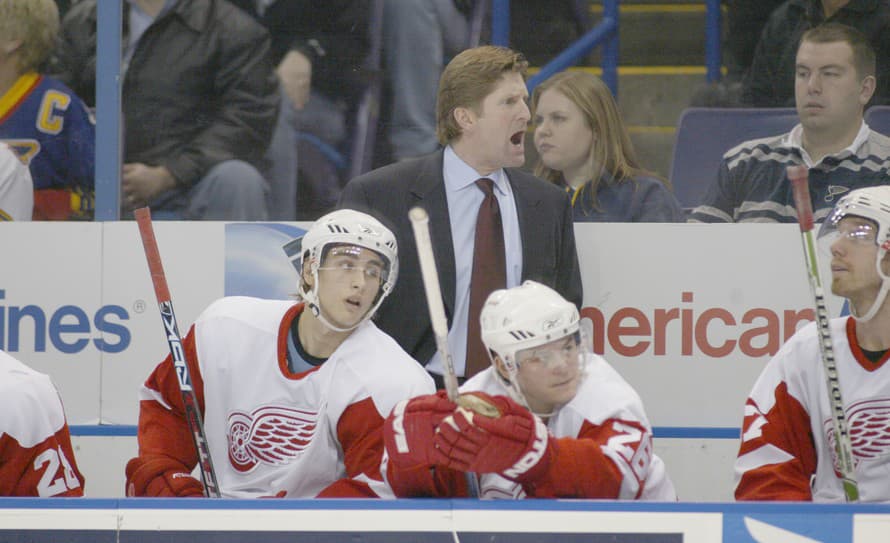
column 489, row 273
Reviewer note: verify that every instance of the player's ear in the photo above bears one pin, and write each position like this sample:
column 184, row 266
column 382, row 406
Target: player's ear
column 500, row 367
column 306, row 275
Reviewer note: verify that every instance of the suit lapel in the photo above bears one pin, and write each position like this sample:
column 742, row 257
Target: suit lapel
column 428, row 191
column 528, row 202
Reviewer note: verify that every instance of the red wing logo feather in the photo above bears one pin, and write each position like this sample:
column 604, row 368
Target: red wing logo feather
column 869, row 427
column 272, row 435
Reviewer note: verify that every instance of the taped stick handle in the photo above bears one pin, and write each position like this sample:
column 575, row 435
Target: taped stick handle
column 152, row 254
column 799, row 177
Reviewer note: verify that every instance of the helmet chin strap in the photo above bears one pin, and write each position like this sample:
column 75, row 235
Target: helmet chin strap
column 316, row 311
column 873, row 310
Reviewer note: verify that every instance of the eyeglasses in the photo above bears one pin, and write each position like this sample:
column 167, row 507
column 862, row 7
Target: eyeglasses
column 347, row 268
column 548, row 355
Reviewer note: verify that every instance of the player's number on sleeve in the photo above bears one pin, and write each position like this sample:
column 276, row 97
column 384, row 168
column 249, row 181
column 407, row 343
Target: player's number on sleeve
column 633, row 446
column 50, row 461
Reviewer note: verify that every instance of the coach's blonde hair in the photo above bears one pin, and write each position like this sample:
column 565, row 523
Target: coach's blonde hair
column 467, row 80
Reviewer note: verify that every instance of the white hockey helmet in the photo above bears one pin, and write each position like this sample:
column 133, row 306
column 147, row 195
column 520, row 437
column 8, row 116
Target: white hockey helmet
column 523, row 317
column 347, row 227
column 872, row 203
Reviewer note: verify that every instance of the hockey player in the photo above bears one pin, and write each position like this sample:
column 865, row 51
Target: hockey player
column 36, row 458
column 42, row 120
column 16, row 188
column 294, row 395
column 567, row 425
column 787, row 448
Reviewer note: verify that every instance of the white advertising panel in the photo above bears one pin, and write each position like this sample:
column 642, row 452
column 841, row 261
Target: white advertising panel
column 689, row 314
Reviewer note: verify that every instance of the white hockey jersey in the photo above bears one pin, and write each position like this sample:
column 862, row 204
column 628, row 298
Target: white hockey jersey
column 787, row 446
column 36, row 457
column 16, row 187
column 272, row 432
column 603, row 448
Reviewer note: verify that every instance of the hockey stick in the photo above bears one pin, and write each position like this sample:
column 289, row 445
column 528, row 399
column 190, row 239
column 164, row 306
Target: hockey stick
column 420, row 221
column 799, row 177
column 174, row 341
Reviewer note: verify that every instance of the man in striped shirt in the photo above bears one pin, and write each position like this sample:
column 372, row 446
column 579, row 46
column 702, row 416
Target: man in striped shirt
column 834, row 80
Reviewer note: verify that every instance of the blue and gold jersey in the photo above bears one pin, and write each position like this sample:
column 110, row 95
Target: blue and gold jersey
column 53, row 132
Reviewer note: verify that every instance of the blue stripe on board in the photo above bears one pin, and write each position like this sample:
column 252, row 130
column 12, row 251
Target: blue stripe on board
column 103, row 430
column 679, row 432
column 682, row 432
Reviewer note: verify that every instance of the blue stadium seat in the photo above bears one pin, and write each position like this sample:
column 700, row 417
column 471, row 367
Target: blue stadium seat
column 705, row 134
column 878, row 119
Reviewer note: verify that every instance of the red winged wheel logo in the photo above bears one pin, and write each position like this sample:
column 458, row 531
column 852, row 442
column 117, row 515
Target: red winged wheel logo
column 272, row 435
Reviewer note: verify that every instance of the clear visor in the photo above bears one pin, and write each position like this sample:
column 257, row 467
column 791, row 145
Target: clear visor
column 855, row 229
column 348, row 259
column 565, row 350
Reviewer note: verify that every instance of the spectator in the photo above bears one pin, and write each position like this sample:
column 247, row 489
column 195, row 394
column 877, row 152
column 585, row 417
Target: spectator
column 322, row 378
column 418, row 38
column 319, row 48
column 745, row 20
column 476, row 199
column 769, row 82
column 16, row 188
column 788, row 448
column 834, row 79
column 191, row 147
column 571, row 427
column 36, row 457
column 41, row 119
column 583, row 148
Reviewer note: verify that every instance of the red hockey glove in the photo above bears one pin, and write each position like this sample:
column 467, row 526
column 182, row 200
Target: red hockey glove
column 160, row 476
column 515, row 444
column 408, row 431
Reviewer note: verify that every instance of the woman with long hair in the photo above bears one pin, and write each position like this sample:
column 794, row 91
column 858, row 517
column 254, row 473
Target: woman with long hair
column 583, row 146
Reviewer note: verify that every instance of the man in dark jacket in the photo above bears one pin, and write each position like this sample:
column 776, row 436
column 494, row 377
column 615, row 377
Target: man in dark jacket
column 770, row 80
column 200, row 100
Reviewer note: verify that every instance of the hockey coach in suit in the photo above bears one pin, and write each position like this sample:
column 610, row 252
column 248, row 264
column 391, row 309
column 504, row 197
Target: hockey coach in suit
column 482, row 117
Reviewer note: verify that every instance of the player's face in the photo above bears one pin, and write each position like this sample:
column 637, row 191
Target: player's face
column 853, row 254
column 494, row 137
column 829, row 92
column 562, row 136
column 549, row 374
column 348, row 282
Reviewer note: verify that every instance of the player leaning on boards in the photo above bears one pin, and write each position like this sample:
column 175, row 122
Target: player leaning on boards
column 584, row 433
column 36, row 457
column 293, row 394
column 787, row 448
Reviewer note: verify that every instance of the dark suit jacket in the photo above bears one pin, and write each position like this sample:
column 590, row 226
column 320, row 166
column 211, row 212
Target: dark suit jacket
column 545, row 226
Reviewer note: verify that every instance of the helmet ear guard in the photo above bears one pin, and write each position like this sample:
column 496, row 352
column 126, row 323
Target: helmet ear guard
column 343, row 227
column 872, row 203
